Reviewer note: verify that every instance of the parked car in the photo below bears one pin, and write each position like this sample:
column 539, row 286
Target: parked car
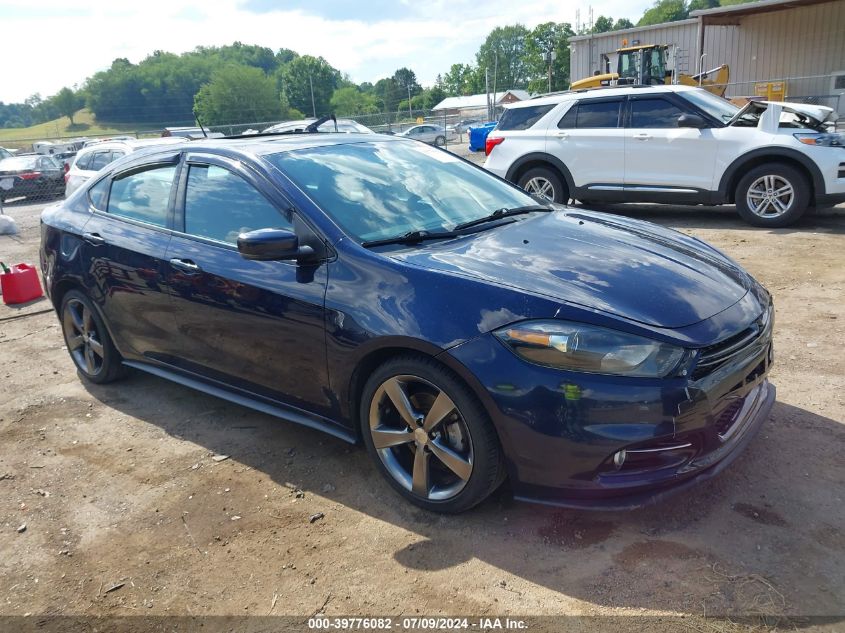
column 427, row 133
column 31, row 176
column 92, row 158
column 386, row 292
column 462, row 127
column 4, row 153
column 673, row 144
column 65, row 159
column 347, row 126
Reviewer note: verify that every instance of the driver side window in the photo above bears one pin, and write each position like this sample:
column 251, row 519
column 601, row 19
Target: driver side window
column 219, row 205
column 654, row 113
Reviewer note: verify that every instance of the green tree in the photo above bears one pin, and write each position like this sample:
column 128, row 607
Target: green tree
column 67, row 102
column 305, row 76
column 462, row 79
column 503, row 55
column 664, row 11
column 603, row 24
column 696, row 5
column 238, row 94
column 350, row 100
column 406, row 79
column 623, row 23
column 388, row 94
column 543, row 38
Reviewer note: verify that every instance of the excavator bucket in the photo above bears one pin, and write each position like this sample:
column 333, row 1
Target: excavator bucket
column 715, row 80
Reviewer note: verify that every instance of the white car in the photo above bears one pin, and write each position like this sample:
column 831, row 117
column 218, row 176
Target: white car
column 428, row 133
column 672, row 144
column 91, row 159
column 347, row 126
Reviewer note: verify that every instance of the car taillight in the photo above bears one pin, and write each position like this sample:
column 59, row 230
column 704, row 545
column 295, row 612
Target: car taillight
column 30, row 175
column 491, row 143
column 67, row 168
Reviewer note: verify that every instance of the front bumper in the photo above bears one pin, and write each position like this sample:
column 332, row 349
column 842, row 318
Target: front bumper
column 561, row 430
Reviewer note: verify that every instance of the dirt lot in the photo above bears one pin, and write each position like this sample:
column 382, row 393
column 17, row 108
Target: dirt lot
column 118, row 484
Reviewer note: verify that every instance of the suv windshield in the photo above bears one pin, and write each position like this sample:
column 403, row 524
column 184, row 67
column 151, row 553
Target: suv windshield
column 384, row 189
column 719, row 108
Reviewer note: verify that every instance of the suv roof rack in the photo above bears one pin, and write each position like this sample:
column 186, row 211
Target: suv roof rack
column 583, row 90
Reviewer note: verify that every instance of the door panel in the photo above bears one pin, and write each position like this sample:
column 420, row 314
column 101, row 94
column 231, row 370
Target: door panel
column 591, row 144
column 660, row 154
column 256, row 325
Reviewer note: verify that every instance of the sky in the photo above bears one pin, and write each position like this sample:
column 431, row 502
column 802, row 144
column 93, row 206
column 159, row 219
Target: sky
column 64, row 42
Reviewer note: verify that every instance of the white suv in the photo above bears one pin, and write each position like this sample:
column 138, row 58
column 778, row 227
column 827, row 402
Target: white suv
column 92, row 158
column 673, row 144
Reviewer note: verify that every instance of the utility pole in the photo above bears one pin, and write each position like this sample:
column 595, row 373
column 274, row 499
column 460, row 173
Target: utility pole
column 487, row 90
column 551, row 55
column 410, row 114
column 313, row 106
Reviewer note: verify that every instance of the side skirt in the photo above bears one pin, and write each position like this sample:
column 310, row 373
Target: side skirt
column 276, row 409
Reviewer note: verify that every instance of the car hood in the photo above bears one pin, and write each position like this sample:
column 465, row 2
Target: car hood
column 768, row 113
column 631, row 269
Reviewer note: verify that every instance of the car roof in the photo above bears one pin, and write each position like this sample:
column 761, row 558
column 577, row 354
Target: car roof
column 595, row 93
column 133, row 144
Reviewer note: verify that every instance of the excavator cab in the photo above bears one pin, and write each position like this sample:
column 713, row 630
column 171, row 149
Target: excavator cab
column 645, row 65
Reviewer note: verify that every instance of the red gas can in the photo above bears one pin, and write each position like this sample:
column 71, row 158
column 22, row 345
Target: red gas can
column 20, row 284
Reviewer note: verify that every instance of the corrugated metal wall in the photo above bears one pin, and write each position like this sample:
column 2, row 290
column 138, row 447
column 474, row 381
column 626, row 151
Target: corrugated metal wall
column 803, row 45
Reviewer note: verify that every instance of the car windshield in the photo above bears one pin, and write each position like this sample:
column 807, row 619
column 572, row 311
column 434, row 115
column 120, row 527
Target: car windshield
column 385, row 189
column 719, row 108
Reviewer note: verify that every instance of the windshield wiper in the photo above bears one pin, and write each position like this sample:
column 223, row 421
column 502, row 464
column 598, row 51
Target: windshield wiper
column 503, row 213
column 411, row 237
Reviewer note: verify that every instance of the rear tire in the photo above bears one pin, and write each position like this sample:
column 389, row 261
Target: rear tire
column 772, row 195
column 545, row 183
column 437, row 447
column 88, row 341
column 440, row 141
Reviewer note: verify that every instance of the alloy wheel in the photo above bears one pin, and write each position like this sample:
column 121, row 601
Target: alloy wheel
column 770, row 196
column 84, row 341
column 540, row 186
column 421, row 437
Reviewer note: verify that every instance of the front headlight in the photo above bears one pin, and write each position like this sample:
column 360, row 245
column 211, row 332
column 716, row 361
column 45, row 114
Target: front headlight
column 823, row 139
column 589, row 348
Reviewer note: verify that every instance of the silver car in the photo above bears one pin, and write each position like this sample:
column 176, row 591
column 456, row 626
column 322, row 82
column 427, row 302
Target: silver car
column 428, row 133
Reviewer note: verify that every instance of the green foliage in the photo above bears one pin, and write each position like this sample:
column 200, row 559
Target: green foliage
column 463, row 79
column 603, row 24
column 304, row 73
column 696, row 5
column 543, row 38
column 67, row 102
column 350, row 100
column 503, row 55
column 664, row 11
column 623, row 23
column 238, row 94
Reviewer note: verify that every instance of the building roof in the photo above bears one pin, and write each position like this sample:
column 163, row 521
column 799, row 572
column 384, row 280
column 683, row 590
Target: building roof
column 636, row 29
column 763, row 6
column 477, row 101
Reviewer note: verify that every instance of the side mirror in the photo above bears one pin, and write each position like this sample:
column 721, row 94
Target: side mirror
column 692, row 120
column 271, row 245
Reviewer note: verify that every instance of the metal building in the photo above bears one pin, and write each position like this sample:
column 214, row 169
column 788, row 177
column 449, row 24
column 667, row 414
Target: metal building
column 799, row 42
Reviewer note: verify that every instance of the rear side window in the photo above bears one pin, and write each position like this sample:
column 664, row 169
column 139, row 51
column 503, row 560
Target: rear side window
column 100, row 160
column 220, row 204
column 98, row 193
column 84, row 161
column 654, row 113
column 143, row 195
column 522, row 118
column 592, row 114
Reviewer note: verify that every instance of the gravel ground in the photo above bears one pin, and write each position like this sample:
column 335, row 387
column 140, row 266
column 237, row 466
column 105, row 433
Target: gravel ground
column 119, row 484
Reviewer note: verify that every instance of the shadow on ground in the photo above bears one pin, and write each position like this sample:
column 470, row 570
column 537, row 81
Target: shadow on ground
column 765, row 536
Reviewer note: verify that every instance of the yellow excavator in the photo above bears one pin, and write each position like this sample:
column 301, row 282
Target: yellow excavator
column 652, row 64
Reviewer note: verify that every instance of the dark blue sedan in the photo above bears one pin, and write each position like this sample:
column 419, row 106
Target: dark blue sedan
column 389, row 292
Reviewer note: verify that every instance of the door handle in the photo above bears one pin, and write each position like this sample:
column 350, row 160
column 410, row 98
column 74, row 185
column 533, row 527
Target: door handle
column 642, row 136
column 562, row 135
column 185, row 265
column 94, row 238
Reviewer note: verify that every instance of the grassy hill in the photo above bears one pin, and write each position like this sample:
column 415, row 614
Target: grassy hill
column 84, row 125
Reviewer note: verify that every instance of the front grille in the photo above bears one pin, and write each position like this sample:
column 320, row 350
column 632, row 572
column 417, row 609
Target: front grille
column 714, row 356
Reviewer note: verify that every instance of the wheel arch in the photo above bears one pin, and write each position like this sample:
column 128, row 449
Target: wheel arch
column 785, row 156
column 375, row 357
column 540, row 159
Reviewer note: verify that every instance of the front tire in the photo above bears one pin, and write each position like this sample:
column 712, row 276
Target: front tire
column 544, row 183
column 88, row 342
column 429, row 436
column 772, row 195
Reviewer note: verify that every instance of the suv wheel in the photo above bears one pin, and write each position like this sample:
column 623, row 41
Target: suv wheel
column 544, row 183
column 772, row 195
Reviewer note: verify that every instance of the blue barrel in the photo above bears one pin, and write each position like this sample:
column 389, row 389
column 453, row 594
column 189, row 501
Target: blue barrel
column 478, row 136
